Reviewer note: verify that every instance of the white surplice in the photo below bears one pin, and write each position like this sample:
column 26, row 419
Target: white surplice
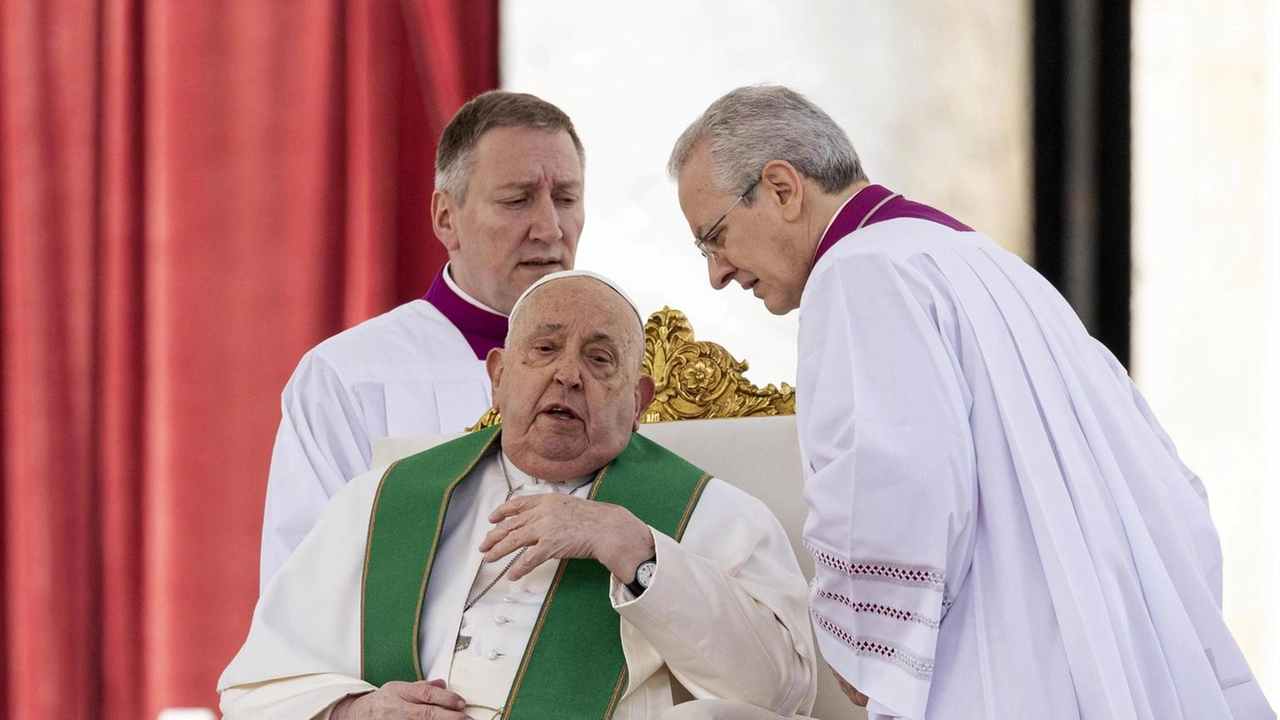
column 726, row 613
column 1001, row 528
column 407, row 372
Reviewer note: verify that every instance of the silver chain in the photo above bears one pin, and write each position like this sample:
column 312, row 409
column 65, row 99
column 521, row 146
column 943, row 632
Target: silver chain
column 510, row 491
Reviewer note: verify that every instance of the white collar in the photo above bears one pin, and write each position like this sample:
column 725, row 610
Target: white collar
column 830, row 222
column 448, row 280
column 520, row 478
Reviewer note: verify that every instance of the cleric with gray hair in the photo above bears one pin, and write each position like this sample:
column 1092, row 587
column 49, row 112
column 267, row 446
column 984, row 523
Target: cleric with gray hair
column 1000, row 527
column 753, row 125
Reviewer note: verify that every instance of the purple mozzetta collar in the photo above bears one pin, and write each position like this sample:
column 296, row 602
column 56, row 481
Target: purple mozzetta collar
column 483, row 330
column 868, row 207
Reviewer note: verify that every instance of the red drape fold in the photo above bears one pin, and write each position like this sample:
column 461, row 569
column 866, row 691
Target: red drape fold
column 191, row 196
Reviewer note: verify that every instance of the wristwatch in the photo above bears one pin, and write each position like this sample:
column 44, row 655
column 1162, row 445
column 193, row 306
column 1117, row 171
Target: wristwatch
column 644, row 576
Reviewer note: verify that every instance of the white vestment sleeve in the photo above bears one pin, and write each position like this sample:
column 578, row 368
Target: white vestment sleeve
column 297, row 697
column 320, row 445
column 726, row 610
column 302, row 654
column 891, row 485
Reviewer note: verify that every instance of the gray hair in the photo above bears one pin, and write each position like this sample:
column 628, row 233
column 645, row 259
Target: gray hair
column 455, row 155
column 752, row 125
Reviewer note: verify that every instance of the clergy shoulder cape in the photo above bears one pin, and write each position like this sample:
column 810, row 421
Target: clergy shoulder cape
column 1000, row 526
column 725, row 615
column 407, row 372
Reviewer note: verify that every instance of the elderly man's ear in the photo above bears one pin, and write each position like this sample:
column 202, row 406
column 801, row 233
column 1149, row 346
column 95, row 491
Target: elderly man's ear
column 644, row 395
column 493, row 364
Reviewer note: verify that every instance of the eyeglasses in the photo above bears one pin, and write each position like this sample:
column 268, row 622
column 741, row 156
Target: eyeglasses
column 702, row 242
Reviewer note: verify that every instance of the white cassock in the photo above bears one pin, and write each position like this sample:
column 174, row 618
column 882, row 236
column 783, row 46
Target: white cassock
column 725, row 615
column 1001, row 529
column 408, row 372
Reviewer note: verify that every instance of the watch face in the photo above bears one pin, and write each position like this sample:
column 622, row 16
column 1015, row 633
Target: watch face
column 644, row 573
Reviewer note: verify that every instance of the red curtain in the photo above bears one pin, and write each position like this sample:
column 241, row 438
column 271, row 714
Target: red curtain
column 192, row 194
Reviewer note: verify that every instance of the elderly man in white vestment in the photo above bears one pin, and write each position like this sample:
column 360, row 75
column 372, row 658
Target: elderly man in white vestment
column 508, row 209
column 1001, row 529
column 556, row 566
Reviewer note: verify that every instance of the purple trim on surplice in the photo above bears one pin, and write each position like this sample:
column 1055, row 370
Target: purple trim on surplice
column 853, row 212
column 483, row 330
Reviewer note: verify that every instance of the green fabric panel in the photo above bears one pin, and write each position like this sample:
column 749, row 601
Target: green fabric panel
column 655, row 484
column 574, row 666
column 404, row 534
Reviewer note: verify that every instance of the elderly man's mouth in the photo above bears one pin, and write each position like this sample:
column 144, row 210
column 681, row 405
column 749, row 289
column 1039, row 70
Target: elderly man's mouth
column 560, row 412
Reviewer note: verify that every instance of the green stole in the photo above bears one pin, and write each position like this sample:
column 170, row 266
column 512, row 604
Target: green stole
column 574, row 666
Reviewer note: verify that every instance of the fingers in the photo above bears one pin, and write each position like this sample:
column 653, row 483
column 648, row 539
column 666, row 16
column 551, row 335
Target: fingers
column 514, row 507
column 431, row 693
column 510, row 516
column 432, row 712
column 428, row 700
column 550, row 526
column 533, row 556
column 850, row 691
column 501, row 542
column 536, row 504
column 517, row 523
column 499, row 533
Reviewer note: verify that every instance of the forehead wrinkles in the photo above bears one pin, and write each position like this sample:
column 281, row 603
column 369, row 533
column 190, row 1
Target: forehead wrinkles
column 528, row 159
column 593, row 308
column 541, row 177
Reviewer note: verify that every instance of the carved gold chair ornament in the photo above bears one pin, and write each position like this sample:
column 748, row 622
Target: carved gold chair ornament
column 694, row 379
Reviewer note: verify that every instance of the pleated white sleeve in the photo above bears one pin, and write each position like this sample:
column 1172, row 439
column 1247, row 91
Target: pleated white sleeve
column 406, row 372
column 320, row 445
column 890, row 480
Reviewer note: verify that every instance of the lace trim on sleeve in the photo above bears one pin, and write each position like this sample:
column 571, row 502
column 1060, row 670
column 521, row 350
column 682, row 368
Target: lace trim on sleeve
column 906, row 574
column 881, row 649
column 878, row 609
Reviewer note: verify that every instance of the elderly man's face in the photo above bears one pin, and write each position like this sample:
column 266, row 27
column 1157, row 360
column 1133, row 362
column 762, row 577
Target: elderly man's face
column 568, row 384
column 521, row 215
column 752, row 244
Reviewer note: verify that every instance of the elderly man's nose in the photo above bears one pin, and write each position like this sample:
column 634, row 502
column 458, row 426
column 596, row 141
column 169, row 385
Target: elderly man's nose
column 719, row 273
column 567, row 372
